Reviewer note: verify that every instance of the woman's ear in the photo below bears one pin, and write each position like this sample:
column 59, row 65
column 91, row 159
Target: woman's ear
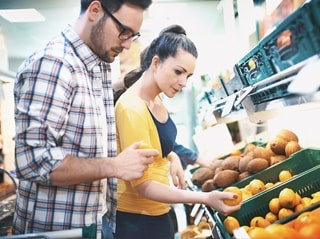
column 155, row 62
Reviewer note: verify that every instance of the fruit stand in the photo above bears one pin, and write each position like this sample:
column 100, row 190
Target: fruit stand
column 278, row 178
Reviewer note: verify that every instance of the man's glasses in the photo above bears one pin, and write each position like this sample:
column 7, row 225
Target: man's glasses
column 126, row 33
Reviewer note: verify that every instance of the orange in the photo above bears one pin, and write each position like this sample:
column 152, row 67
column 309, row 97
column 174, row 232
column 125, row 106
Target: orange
column 259, row 233
column 236, row 152
column 287, row 198
column 235, row 201
column 280, row 231
column 284, row 212
column 299, row 207
column 316, row 212
column 259, row 221
column 269, row 185
column 274, row 205
column 306, row 201
column 246, row 228
column 271, row 217
column 284, row 175
column 298, row 199
column 145, row 145
column 231, row 223
column 245, row 193
column 310, row 231
column 305, row 218
column 256, row 186
column 315, row 195
column 277, row 183
column 315, row 200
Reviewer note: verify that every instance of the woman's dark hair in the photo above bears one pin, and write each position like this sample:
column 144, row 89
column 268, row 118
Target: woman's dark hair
column 177, row 29
column 114, row 5
column 165, row 45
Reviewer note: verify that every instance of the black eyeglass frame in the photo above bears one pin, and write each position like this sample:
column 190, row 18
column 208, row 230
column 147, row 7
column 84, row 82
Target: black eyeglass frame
column 124, row 34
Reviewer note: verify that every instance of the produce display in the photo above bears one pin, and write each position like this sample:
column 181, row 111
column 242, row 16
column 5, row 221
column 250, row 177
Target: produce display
column 201, row 231
column 253, row 159
column 280, row 204
column 287, row 203
column 276, row 182
column 305, row 226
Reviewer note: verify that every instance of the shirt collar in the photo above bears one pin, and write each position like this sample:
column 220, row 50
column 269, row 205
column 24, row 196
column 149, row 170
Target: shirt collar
column 87, row 56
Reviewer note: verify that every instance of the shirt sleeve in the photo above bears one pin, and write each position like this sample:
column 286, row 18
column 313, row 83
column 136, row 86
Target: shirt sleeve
column 186, row 155
column 41, row 104
column 132, row 126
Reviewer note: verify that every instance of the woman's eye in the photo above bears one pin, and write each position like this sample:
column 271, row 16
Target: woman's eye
column 178, row 72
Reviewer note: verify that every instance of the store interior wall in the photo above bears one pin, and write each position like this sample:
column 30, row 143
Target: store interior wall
column 216, row 41
column 222, row 33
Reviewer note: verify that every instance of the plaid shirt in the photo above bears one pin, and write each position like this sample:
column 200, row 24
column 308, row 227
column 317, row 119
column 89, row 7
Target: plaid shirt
column 57, row 112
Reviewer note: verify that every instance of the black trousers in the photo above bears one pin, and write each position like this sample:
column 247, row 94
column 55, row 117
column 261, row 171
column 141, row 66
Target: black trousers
column 138, row 226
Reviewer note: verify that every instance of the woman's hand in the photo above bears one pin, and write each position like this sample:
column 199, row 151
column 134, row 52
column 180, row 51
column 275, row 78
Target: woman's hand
column 215, row 200
column 176, row 170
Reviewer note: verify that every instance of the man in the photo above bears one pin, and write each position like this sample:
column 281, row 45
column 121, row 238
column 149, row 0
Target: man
column 65, row 126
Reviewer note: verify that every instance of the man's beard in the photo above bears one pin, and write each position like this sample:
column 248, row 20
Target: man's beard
column 96, row 37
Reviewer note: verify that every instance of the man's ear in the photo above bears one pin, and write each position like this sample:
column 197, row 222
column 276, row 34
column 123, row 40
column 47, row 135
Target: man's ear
column 94, row 10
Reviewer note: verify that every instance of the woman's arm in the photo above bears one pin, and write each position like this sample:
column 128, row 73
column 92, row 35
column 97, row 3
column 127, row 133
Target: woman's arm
column 166, row 194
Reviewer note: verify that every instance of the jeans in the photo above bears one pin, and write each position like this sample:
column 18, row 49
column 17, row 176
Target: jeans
column 106, row 230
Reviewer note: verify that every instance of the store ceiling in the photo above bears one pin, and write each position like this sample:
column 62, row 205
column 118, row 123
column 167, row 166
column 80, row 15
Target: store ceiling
column 21, row 38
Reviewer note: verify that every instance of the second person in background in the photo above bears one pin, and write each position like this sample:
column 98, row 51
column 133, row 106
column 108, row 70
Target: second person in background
column 143, row 204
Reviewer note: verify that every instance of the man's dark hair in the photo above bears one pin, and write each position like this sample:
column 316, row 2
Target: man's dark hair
column 114, row 5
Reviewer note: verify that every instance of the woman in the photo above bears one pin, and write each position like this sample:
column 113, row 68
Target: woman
column 143, row 204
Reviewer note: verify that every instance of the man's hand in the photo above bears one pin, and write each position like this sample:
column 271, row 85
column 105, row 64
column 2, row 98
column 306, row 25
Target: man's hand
column 133, row 161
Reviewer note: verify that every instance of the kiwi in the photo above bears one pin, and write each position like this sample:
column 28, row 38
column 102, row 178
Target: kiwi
column 208, row 186
column 288, row 135
column 231, row 162
column 243, row 163
column 260, row 152
column 277, row 159
column 257, row 164
column 201, row 175
column 225, row 178
column 278, row 146
column 292, row 147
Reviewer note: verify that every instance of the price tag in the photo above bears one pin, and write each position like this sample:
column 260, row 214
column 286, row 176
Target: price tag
column 240, row 233
column 199, row 216
column 195, row 210
column 229, row 105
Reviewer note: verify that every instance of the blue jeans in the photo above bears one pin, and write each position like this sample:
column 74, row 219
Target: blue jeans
column 106, row 230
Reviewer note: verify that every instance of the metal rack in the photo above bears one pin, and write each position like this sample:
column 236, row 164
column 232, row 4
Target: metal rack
column 240, row 104
column 81, row 233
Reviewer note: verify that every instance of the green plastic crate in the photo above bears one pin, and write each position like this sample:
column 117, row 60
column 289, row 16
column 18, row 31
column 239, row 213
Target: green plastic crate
column 191, row 170
column 254, row 67
column 302, row 39
column 273, row 93
column 304, row 184
column 297, row 163
column 296, row 214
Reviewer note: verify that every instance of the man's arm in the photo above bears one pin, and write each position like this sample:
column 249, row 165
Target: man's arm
column 75, row 170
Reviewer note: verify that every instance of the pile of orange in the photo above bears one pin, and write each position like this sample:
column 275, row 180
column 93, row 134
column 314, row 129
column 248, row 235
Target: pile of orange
column 305, row 226
column 256, row 186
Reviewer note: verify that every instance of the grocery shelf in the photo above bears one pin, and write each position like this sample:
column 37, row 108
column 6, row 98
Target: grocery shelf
column 273, row 98
column 6, row 76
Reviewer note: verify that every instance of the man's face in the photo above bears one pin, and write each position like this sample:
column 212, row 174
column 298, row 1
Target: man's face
column 104, row 34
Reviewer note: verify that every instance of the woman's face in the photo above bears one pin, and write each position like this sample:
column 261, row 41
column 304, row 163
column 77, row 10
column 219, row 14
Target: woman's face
column 172, row 74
